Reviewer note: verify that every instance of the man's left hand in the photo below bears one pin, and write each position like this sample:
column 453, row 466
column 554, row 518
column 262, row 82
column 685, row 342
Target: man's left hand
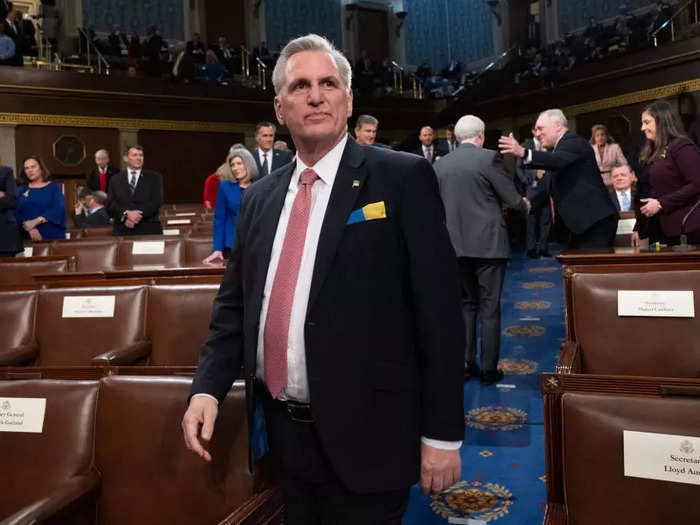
column 650, row 208
column 510, row 145
column 129, row 223
column 440, row 468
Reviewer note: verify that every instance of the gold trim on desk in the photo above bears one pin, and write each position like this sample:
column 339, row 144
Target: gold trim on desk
column 626, row 99
column 77, row 121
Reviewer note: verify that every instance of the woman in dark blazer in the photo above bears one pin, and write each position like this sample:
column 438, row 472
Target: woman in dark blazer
column 10, row 239
column 242, row 170
column 673, row 161
column 41, row 208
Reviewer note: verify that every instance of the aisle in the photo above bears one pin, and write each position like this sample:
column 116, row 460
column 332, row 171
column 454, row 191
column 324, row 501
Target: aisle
column 503, row 478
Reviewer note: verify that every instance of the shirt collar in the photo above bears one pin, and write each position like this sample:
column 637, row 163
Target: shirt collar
column 427, row 148
column 327, row 166
column 129, row 171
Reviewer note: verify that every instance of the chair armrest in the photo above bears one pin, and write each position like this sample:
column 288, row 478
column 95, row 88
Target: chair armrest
column 19, row 355
column 126, row 355
column 569, row 361
column 59, row 501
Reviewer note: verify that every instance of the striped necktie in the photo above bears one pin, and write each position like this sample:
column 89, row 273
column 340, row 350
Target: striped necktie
column 132, row 182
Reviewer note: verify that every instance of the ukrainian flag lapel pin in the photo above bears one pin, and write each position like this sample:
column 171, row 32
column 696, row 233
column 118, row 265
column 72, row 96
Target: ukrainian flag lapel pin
column 356, row 183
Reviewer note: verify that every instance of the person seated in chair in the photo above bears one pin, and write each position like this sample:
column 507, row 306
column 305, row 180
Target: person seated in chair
column 90, row 209
column 623, row 193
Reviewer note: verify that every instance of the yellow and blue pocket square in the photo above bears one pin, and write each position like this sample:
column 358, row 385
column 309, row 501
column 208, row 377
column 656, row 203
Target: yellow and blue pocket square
column 369, row 212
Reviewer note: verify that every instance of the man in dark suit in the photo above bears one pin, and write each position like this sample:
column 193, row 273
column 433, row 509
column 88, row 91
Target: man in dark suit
column 366, row 131
column 577, row 188
column 329, row 304
column 623, row 194
column 98, row 179
column 10, row 238
column 12, row 30
column 5, row 8
column 90, row 210
column 266, row 157
column 539, row 221
column 427, row 148
column 474, row 187
column 135, row 196
column 450, row 143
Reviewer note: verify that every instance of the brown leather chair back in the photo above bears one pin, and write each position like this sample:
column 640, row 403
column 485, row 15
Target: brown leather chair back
column 38, row 249
column 97, row 231
column 197, row 248
column 148, row 474
column 595, row 487
column 20, row 270
column 74, row 341
column 36, row 464
column 173, row 252
column 92, row 254
column 17, row 311
column 178, row 322
column 640, row 346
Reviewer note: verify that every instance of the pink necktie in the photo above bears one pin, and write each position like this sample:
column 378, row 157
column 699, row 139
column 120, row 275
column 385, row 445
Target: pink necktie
column 279, row 310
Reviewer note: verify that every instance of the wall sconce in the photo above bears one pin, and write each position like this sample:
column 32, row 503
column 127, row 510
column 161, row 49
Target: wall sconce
column 350, row 10
column 401, row 15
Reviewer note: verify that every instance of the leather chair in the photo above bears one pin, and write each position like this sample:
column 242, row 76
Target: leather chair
column 173, row 251
column 197, row 248
column 178, row 322
column 149, row 476
column 92, row 254
column 118, row 340
column 17, row 312
column 606, row 343
column 584, row 427
column 21, row 270
column 73, row 234
column 38, row 249
column 48, row 476
column 97, row 231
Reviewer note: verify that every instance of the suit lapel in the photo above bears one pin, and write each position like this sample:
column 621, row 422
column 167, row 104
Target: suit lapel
column 269, row 217
column 341, row 202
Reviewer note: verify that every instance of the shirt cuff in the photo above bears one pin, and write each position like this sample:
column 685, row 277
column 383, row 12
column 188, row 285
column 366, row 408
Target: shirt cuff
column 444, row 445
column 205, row 395
column 527, row 159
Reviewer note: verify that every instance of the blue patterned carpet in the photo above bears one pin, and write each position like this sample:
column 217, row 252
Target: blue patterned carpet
column 503, row 477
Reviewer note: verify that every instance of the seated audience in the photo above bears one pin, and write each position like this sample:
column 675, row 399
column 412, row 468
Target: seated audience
column 10, row 239
column 118, row 43
column 198, row 48
column 184, row 68
column 673, row 174
column 90, row 209
column 211, row 186
column 223, row 51
column 135, row 196
column 242, row 170
column 623, row 194
column 212, row 72
column 7, row 47
column 41, row 210
column 98, row 179
column 51, row 19
column 607, row 152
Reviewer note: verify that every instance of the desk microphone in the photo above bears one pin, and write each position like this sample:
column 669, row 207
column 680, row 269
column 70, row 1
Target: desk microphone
column 684, row 246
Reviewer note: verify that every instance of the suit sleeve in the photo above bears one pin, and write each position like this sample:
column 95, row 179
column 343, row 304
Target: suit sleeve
column 221, row 357
column 56, row 212
column 567, row 153
column 435, row 289
column 8, row 201
column 113, row 206
column 503, row 186
column 156, row 196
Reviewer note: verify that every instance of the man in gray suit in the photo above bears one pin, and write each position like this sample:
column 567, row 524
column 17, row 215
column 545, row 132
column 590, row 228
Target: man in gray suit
column 474, row 187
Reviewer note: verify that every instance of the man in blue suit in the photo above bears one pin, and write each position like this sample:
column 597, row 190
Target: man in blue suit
column 266, row 157
column 577, row 188
column 340, row 306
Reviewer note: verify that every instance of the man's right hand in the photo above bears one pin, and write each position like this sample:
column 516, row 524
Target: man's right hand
column 528, row 205
column 200, row 414
column 134, row 215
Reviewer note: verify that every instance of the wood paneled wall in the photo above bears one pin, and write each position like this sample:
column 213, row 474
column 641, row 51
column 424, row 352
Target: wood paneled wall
column 185, row 159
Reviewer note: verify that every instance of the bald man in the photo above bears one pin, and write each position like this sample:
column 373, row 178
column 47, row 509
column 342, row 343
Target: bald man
column 98, row 178
column 429, row 149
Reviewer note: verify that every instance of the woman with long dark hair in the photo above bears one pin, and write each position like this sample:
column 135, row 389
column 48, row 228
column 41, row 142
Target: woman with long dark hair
column 41, row 209
column 674, row 178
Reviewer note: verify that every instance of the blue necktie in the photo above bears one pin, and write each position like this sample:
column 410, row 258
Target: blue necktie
column 625, row 206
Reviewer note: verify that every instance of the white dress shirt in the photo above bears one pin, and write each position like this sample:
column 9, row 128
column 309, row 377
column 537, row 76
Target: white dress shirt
column 261, row 156
column 297, row 387
column 427, row 149
column 129, row 171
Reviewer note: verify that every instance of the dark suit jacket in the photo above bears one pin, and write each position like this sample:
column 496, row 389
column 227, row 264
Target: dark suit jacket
column 474, row 186
column 10, row 238
column 92, row 179
column 577, row 188
column 17, row 38
column 384, row 334
column 279, row 159
column 97, row 218
column 437, row 151
column 148, row 198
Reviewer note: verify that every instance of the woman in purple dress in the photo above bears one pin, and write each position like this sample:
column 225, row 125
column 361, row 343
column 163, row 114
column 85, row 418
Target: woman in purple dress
column 674, row 177
column 41, row 209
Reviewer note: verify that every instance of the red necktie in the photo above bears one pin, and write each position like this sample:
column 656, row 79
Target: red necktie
column 103, row 180
column 279, row 310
